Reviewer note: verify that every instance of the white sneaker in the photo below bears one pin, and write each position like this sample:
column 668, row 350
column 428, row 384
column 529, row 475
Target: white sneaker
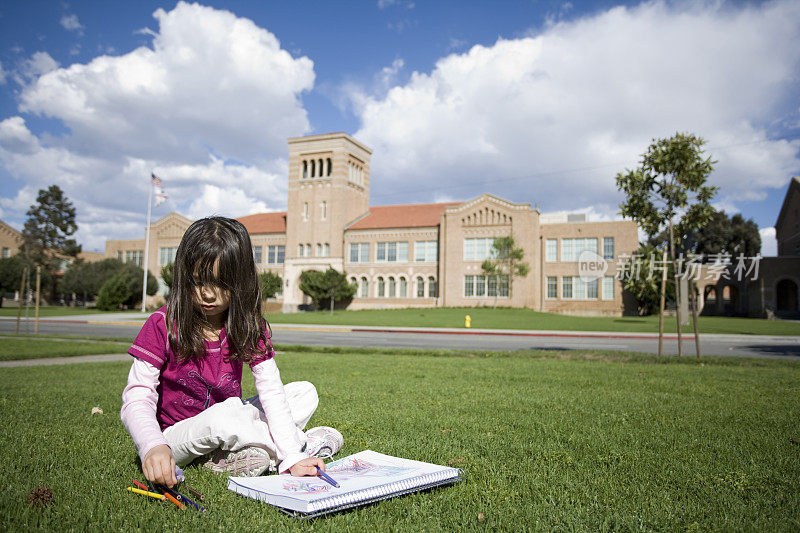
column 323, row 441
column 249, row 461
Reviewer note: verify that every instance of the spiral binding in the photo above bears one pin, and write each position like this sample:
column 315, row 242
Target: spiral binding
column 394, row 488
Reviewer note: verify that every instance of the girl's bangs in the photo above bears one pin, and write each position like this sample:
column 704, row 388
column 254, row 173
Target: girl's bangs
column 214, row 270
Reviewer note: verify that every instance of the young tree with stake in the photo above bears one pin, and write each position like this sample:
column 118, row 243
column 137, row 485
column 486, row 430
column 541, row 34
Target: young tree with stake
column 669, row 190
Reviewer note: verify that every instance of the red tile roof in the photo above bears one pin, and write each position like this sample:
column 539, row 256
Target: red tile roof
column 403, row 216
column 265, row 223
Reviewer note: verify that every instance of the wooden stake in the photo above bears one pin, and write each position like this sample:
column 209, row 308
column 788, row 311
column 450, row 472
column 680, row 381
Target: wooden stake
column 21, row 295
column 661, row 307
column 694, row 320
column 38, row 288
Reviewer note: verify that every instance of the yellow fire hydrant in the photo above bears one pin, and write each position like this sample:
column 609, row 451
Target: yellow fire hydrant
column 467, row 322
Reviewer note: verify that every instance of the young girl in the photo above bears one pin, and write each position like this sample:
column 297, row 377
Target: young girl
column 183, row 398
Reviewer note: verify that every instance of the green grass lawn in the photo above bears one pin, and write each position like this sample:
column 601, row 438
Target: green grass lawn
column 54, row 310
column 548, row 441
column 508, row 318
column 28, row 348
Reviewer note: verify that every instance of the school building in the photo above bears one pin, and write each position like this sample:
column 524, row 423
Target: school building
column 415, row 255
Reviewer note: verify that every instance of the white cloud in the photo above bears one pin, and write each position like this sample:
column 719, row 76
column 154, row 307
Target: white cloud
column 38, row 64
column 551, row 118
column 71, row 23
column 769, row 244
column 209, row 107
column 3, row 74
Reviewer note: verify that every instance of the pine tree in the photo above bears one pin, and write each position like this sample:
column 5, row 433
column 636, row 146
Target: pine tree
column 47, row 231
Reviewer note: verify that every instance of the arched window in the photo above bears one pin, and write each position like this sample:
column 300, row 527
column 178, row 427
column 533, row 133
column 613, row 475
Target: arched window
column 420, row 287
column 319, row 251
column 308, row 250
column 330, row 166
column 364, row 287
column 312, row 175
column 353, row 280
column 326, row 250
column 300, row 251
column 320, row 173
column 403, row 288
column 392, row 288
column 433, row 289
column 381, row 287
column 305, row 172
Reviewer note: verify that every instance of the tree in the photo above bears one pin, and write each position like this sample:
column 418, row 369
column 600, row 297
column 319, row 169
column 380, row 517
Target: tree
column 720, row 235
column 168, row 275
column 668, row 190
column 86, row 279
column 11, row 269
column 124, row 288
column 326, row 288
column 46, row 242
column 271, row 284
column 506, row 263
column 644, row 282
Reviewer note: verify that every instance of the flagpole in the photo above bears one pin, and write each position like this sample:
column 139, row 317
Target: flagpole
column 146, row 246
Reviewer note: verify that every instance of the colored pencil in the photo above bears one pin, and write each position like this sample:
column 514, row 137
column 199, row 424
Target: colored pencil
column 326, row 477
column 171, row 498
column 139, row 484
column 147, row 493
column 194, row 492
column 164, row 489
column 196, row 506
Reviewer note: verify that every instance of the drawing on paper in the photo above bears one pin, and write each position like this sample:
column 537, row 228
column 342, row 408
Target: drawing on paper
column 353, row 467
column 304, row 487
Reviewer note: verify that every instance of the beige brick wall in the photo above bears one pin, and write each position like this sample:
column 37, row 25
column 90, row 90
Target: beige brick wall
column 410, row 270
column 488, row 217
column 626, row 241
column 10, row 240
column 787, row 232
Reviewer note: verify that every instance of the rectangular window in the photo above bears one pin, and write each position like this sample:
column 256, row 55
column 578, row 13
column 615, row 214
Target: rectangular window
column 478, row 249
column 359, row 252
column 119, row 255
column 552, row 287
column 486, row 286
column 402, row 252
column 392, row 252
column 551, row 250
column 134, row 256
column 6, row 253
column 574, row 288
column 566, row 287
column 608, row 288
column 608, row 247
column 591, row 290
column 571, row 248
column 257, row 254
column 426, row 251
column 276, row 254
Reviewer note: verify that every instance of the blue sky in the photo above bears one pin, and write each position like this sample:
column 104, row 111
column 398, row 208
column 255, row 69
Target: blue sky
column 536, row 102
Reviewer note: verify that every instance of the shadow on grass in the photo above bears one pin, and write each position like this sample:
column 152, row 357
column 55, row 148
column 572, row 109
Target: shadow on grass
column 786, row 350
column 625, row 320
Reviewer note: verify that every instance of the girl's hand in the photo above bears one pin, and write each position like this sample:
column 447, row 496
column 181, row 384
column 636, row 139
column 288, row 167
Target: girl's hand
column 306, row 467
column 159, row 466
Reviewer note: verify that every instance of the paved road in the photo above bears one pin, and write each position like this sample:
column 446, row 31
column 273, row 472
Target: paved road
column 430, row 338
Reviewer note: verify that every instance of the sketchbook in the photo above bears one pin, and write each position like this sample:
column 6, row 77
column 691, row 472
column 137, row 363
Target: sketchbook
column 363, row 478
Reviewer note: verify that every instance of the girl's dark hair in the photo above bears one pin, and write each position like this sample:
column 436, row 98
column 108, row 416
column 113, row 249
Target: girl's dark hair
column 209, row 242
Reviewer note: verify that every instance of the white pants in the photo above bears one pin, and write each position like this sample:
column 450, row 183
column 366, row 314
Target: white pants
column 232, row 425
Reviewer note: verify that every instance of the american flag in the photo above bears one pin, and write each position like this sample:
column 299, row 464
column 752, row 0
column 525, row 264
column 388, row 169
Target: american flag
column 161, row 196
